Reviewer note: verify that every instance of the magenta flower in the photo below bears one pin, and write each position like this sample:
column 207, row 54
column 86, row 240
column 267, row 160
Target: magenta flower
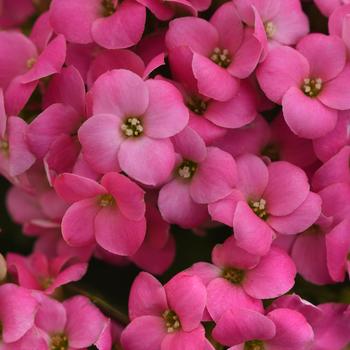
column 39, row 272
column 250, row 330
column 239, row 279
column 202, row 175
column 167, row 318
column 265, row 202
column 132, row 122
column 15, row 12
column 328, row 6
column 74, row 324
column 111, row 213
column 339, row 23
column 17, row 313
column 311, row 92
column 111, row 24
column 221, row 52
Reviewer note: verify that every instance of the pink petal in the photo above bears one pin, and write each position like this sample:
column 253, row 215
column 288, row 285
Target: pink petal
column 166, row 114
column 114, row 93
column 49, row 62
column 333, row 57
column 282, row 195
column 253, row 176
column 100, row 137
column 252, row 233
column 333, row 94
column 223, row 296
column 187, row 297
column 283, row 68
column 73, row 187
column 3, row 117
column 214, row 178
column 272, row 277
column 117, row 234
column 123, row 29
column 185, row 340
column 211, row 79
column 78, row 222
column 240, row 325
column 74, row 18
column 300, row 219
column 236, row 112
column 292, row 330
column 190, row 145
column 147, row 297
column 147, row 160
column 195, row 33
column 205, row 271
column 85, row 322
column 229, row 254
column 177, row 206
column 128, row 195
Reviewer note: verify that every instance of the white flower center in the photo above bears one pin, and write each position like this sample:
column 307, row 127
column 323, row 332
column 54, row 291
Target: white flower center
column 132, row 127
column 312, row 87
column 221, row 57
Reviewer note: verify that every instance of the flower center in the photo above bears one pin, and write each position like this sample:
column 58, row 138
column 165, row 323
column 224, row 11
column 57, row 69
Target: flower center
column 108, row 8
column 235, row 276
column 132, row 127
column 59, row 342
column 259, row 208
column 272, row 151
column 30, row 62
column 172, row 321
column 46, row 282
column 197, row 105
column 254, row 345
column 187, row 169
column 270, row 29
column 312, row 87
column 221, row 57
column 106, row 200
column 4, row 147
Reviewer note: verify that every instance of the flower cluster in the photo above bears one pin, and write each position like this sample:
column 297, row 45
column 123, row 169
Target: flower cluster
column 115, row 125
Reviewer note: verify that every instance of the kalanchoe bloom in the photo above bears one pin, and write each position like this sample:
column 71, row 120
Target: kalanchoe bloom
column 74, row 324
column 284, row 21
column 131, row 125
column 239, row 279
column 17, row 312
column 110, row 23
column 339, row 24
column 111, row 212
column 266, row 202
column 310, row 90
column 167, row 318
column 221, row 52
column 201, row 175
column 15, row 12
column 39, row 272
column 250, row 330
column 328, row 6
column 15, row 157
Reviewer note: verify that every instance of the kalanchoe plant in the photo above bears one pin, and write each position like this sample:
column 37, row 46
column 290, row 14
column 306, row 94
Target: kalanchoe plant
column 174, row 175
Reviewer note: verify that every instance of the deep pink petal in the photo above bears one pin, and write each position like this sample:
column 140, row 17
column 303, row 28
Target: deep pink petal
column 283, row 68
column 205, row 271
column 282, row 195
column 252, row 234
column 166, row 114
column 117, row 234
column 147, row 160
column 215, row 177
column 147, row 297
column 272, row 277
column 185, row 340
column 3, row 117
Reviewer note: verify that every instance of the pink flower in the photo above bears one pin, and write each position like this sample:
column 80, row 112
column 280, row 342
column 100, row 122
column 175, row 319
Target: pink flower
column 265, row 202
column 17, row 312
column 212, row 46
column 167, row 318
column 131, row 125
column 39, row 272
column 279, row 329
column 74, row 324
column 311, row 92
column 239, row 279
column 202, row 175
column 112, row 212
column 15, row 12
column 284, row 21
column 328, row 6
column 110, row 24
